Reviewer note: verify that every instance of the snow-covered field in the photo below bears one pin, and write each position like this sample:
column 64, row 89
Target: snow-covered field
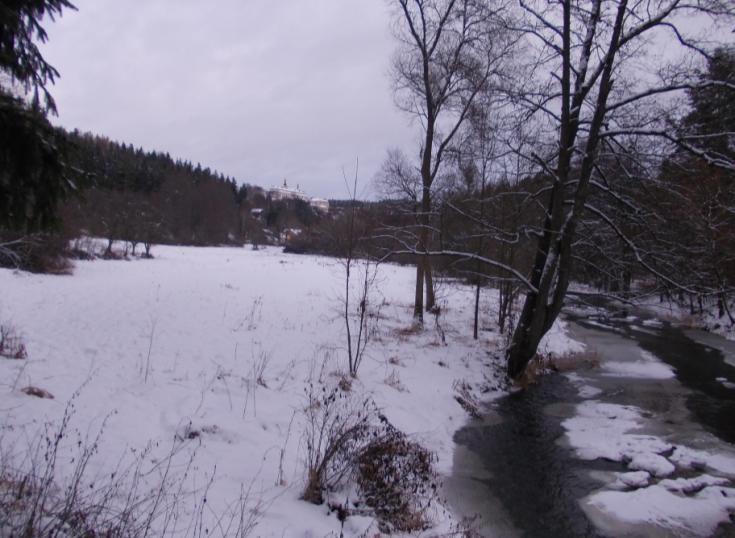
column 202, row 358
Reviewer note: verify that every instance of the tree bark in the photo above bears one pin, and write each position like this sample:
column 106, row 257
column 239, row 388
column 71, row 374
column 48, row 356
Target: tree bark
column 418, row 304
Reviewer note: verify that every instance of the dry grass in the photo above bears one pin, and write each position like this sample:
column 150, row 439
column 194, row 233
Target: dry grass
column 411, row 330
column 569, row 362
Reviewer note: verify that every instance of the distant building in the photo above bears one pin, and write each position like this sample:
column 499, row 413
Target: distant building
column 287, row 193
column 284, row 192
column 320, row 204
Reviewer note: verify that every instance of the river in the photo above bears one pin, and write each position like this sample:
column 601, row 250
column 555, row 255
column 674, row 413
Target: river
column 515, row 467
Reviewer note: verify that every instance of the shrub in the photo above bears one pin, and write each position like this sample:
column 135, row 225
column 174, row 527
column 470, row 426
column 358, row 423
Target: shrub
column 11, row 344
column 579, row 360
column 336, row 427
column 139, row 497
column 396, row 479
column 38, row 253
column 346, row 438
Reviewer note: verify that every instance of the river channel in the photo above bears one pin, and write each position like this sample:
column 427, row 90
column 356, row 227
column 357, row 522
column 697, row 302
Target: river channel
column 515, row 468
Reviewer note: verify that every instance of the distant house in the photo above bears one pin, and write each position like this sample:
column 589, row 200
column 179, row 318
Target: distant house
column 320, row 204
column 284, row 192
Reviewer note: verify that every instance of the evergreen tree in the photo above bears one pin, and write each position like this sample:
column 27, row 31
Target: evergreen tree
column 31, row 164
column 713, row 105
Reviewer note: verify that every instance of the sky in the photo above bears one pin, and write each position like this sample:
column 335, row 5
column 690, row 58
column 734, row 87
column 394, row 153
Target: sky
column 260, row 90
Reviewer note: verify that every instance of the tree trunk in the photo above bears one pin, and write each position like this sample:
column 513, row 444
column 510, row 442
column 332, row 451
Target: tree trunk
column 418, row 305
column 477, row 309
column 429, row 279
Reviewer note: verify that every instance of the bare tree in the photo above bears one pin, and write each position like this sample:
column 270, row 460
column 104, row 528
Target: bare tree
column 355, row 302
column 448, row 51
column 605, row 82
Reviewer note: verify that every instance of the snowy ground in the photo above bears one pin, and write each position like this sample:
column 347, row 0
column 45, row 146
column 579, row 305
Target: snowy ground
column 672, row 311
column 207, row 353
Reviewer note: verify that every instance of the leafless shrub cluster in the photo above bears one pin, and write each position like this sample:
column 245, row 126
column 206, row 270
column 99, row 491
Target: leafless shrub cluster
column 38, row 252
column 336, row 426
column 250, row 321
column 346, row 438
column 396, row 479
column 259, row 365
column 84, row 248
column 394, row 380
column 51, row 489
column 464, row 397
column 11, row 343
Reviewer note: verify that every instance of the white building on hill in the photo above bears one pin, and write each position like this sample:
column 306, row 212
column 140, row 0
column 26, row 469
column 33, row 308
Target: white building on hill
column 285, row 192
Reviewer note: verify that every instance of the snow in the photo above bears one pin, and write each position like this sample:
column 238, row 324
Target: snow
column 644, row 496
column 681, row 315
column 633, row 479
column 649, row 367
column 603, row 430
column 584, row 389
column 725, row 383
column 696, row 515
column 653, row 464
column 692, row 485
column 690, row 458
column 558, row 342
column 206, row 354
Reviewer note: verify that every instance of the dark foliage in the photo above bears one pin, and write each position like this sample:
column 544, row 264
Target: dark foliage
column 31, row 157
column 20, row 33
column 31, row 168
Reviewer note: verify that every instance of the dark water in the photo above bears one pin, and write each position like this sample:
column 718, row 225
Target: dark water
column 697, row 367
column 537, row 480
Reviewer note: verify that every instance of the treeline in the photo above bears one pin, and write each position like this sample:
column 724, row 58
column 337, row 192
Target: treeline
column 128, row 194
column 134, row 199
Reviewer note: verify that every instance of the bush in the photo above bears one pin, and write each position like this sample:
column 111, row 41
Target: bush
column 11, row 344
column 138, row 497
column 347, row 439
column 336, row 427
column 38, row 253
column 396, row 479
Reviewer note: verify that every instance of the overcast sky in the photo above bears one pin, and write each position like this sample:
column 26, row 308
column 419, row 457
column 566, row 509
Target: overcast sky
column 256, row 89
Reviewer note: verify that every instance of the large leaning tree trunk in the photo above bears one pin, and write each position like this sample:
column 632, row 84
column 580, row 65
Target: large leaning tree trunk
column 448, row 51
column 596, row 48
